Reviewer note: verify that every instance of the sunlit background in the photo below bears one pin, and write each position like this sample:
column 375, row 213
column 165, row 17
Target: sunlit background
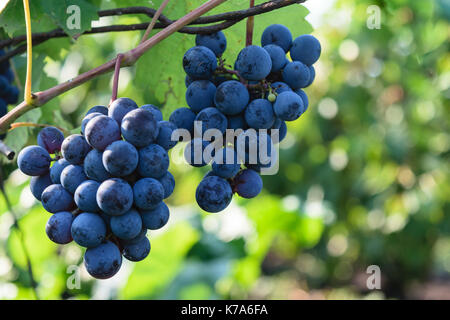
column 363, row 180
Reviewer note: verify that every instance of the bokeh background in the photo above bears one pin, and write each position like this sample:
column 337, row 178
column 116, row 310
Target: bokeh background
column 363, row 180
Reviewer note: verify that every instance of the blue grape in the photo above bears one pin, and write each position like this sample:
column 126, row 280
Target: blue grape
column 100, row 109
column 306, row 49
column 56, row 169
column 153, row 161
column 231, row 97
column 283, row 132
column 156, row 218
column 296, row 75
column 137, row 251
column 211, row 118
column 58, row 227
column 120, row 107
column 75, row 148
column 280, row 87
column 225, row 163
column 12, row 95
column 101, row 131
column 213, row 194
column 199, row 62
column 183, row 118
column 237, row 122
column 71, row 177
column 194, row 153
column 289, row 106
column 248, row 183
column 215, row 41
column 140, row 127
column 120, row 158
column 148, row 193
column 304, row 97
column 4, row 85
column 253, row 63
column 85, row 196
column 88, row 118
column 34, row 161
column 51, row 139
column 38, row 185
column 55, row 199
column 259, row 114
column 115, row 196
column 277, row 34
column 142, row 234
column 164, row 138
column 200, row 95
column 157, row 114
column 312, row 75
column 127, row 226
column 93, row 166
column 103, row 261
column 88, row 230
column 277, row 55
column 168, row 183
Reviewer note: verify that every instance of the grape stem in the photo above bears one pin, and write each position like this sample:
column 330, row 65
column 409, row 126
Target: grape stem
column 116, row 77
column 250, row 27
column 27, row 92
column 154, row 19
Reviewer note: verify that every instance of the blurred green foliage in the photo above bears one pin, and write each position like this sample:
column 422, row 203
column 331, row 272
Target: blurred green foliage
column 363, row 180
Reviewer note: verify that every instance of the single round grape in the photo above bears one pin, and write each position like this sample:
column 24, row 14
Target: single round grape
column 58, row 227
column 226, row 164
column 253, row 63
column 199, row 62
column 168, row 183
column 139, row 127
column 51, row 139
column 231, row 97
column 296, row 75
column 302, row 94
column 115, row 196
column 215, row 41
column 289, row 106
column 277, row 55
column 127, row 226
column 277, row 34
column 148, row 193
column 213, row 194
column 248, row 183
column 157, row 114
column 259, row 114
column 103, row 261
column 100, row 109
column 164, row 138
column 88, row 230
column 86, row 196
column 120, row 158
column 101, row 131
column 194, row 153
column 200, row 95
column 156, row 218
column 34, row 161
column 120, row 107
column 75, row 148
column 183, row 118
column 88, row 118
column 55, row 198
column 271, row 97
column 38, row 185
column 210, row 118
column 137, row 251
column 306, row 49
column 237, row 122
column 72, row 176
column 93, row 166
column 153, row 161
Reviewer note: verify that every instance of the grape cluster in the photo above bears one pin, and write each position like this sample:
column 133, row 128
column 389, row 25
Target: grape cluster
column 9, row 94
column 106, row 186
column 262, row 91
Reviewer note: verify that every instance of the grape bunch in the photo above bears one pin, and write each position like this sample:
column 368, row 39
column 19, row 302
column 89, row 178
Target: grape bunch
column 262, row 91
column 106, row 186
column 9, row 94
